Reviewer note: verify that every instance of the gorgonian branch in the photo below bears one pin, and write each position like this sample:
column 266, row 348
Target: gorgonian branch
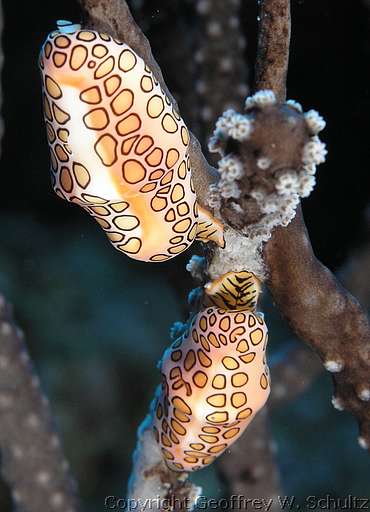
column 32, row 460
column 273, row 46
column 309, row 296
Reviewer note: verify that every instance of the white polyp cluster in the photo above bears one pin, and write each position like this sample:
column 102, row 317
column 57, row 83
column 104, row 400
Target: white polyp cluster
column 314, row 152
column 309, row 168
column 196, row 266
column 214, row 197
column 333, row 366
column 229, row 189
column 215, row 143
column 231, row 170
column 258, row 194
column 268, row 203
column 241, row 128
column 287, row 183
column 337, row 404
column 260, row 99
column 277, row 207
column 294, row 104
column 315, row 122
column 234, row 125
column 263, row 163
column 307, row 183
column 230, row 124
column 364, row 395
column 363, row 443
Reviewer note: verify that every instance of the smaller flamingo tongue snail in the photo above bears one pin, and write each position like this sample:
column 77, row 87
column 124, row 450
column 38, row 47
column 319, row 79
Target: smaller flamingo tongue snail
column 215, row 376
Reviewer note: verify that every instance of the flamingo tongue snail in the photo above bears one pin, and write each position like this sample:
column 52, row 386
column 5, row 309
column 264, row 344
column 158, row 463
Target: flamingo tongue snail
column 120, row 150
column 215, row 376
column 118, row 147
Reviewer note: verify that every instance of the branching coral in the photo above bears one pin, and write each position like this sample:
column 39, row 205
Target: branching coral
column 318, row 308
column 32, row 459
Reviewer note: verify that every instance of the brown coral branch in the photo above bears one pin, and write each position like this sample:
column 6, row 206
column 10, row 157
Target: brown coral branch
column 273, row 46
column 325, row 315
column 317, row 307
column 32, row 461
column 299, row 367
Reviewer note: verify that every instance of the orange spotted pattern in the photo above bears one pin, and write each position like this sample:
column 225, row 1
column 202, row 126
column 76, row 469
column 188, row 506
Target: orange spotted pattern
column 118, row 147
column 215, row 379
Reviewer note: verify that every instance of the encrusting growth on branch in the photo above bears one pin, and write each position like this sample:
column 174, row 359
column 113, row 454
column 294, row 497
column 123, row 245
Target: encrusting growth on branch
column 269, row 161
column 269, row 157
column 32, row 460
